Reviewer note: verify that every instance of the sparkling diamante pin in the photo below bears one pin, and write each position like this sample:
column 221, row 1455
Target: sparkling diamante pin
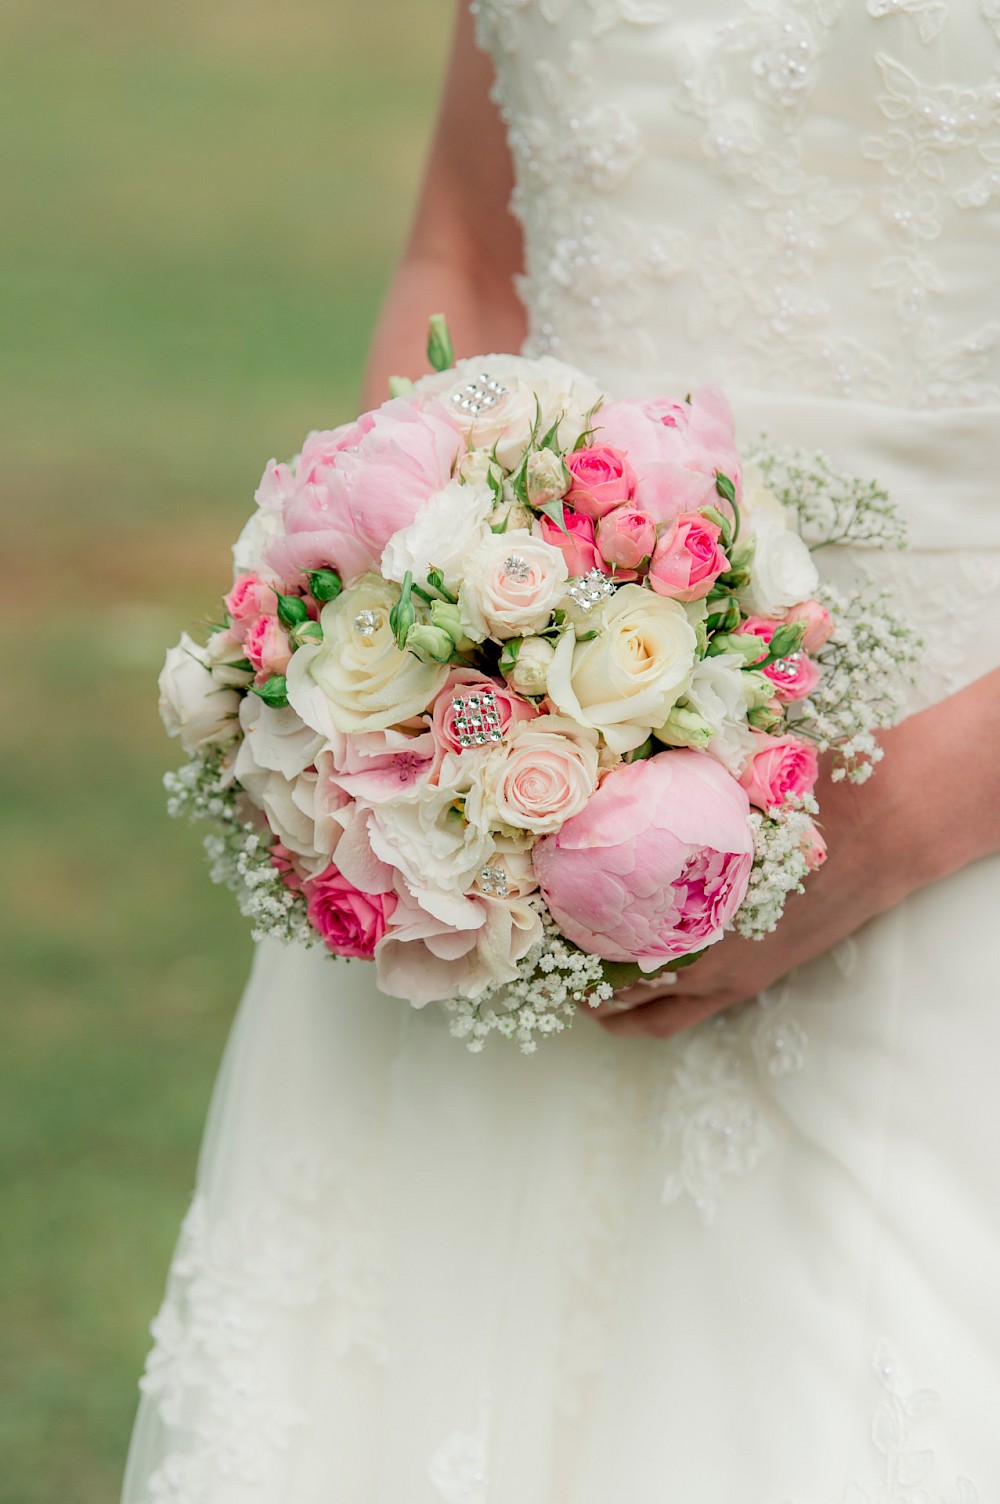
column 477, row 718
column 478, row 395
column 516, row 568
column 366, row 623
column 493, row 881
column 588, row 590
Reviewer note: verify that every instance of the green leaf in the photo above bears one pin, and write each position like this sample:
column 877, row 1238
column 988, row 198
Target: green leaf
column 307, row 631
column 551, row 439
column 495, row 482
column 325, row 585
column 519, row 482
column 556, row 513
column 273, row 691
column 500, row 527
column 648, row 748
column 402, row 616
column 292, row 610
column 440, row 350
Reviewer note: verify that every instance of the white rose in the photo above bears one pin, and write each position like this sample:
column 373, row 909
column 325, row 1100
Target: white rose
column 357, row 679
column 717, row 693
column 782, row 571
column 512, row 584
column 624, row 681
column 543, row 776
column 448, row 527
column 530, row 673
column 508, row 413
column 192, row 705
column 759, row 501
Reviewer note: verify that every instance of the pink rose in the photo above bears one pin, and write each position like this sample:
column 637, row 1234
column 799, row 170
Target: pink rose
column 602, row 479
column 350, row 922
column 625, row 537
column 818, row 624
column 359, row 486
column 656, row 865
column 814, row 848
column 251, row 596
column 510, row 709
column 267, row 646
column 794, row 677
column 688, row 559
column 779, row 768
column 676, row 449
column 576, row 544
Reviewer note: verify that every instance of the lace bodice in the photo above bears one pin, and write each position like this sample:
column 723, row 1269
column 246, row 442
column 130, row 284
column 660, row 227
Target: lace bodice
column 794, row 195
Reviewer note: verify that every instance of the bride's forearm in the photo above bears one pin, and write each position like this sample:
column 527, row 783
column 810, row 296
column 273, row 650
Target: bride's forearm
column 933, row 805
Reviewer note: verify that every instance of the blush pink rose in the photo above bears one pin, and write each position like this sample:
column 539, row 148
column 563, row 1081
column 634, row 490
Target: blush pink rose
column 510, row 709
column 814, row 848
column 794, row 677
column 350, row 922
column 676, row 449
column 656, row 865
column 779, row 768
column 359, row 486
column 576, row 544
column 251, row 596
column 626, row 537
column 602, row 479
column 818, row 624
column 688, row 560
column 267, row 646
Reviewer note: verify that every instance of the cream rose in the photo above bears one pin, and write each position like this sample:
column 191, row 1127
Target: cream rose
column 782, row 572
column 357, row 679
column 450, row 525
column 512, row 584
column 545, row 774
column 193, row 706
column 624, row 682
column 529, row 673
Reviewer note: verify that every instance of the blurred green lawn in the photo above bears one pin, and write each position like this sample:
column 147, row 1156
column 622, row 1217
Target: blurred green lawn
column 202, row 201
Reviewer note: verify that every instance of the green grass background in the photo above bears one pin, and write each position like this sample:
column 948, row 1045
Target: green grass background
column 202, row 201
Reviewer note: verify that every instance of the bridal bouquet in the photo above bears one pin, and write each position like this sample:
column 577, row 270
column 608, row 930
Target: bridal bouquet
column 519, row 693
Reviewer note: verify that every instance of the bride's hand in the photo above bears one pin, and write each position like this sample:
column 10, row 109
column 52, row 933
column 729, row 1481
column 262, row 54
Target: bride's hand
column 907, row 826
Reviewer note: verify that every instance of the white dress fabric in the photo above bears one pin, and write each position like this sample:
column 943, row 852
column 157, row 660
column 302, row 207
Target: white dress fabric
column 759, row 1264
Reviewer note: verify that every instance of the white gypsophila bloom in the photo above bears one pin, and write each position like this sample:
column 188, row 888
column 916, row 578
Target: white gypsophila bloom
column 447, row 529
column 553, row 981
column 830, row 505
column 780, row 864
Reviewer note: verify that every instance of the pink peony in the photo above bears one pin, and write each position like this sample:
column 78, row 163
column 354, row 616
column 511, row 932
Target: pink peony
column 688, row 559
column 350, row 922
column 602, row 479
column 267, row 646
column 779, row 768
column 576, row 544
column 675, row 448
column 794, row 677
column 251, row 596
column 818, row 624
column 657, row 863
column 357, row 486
column 625, row 537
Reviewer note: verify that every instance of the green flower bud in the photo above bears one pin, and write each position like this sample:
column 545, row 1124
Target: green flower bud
column 292, row 610
column 429, row 643
column 403, row 615
column 307, row 631
column 764, row 718
column 446, row 616
column 325, row 585
column 440, row 350
column 400, row 386
column 747, row 644
column 684, row 728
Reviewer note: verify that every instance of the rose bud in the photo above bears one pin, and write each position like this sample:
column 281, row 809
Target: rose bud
column 626, row 537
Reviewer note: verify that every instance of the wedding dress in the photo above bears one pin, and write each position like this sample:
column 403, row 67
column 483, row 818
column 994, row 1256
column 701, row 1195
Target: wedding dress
column 758, row 1264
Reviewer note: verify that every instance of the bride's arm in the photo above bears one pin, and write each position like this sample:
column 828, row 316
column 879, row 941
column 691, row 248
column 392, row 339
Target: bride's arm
column 932, row 806
column 464, row 248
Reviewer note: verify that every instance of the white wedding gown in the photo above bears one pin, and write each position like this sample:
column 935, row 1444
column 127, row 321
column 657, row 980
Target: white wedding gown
column 759, row 1264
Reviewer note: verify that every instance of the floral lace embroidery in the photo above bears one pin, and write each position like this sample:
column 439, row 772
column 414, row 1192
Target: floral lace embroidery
column 233, row 1283
column 458, row 1469
column 905, row 1467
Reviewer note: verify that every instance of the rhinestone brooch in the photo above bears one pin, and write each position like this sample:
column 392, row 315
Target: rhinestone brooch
column 516, row 568
column 366, row 623
column 493, row 881
column 479, row 395
column 477, row 719
column 588, row 590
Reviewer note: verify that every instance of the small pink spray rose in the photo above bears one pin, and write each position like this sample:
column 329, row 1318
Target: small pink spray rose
column 350, row 922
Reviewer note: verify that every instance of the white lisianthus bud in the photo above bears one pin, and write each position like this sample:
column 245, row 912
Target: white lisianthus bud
column 547, row 477
column 509, row 515
column 529, row 672
column 685, row 728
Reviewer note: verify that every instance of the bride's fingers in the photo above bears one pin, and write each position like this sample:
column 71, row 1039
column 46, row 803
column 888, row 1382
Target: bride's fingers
column 660, row 1019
